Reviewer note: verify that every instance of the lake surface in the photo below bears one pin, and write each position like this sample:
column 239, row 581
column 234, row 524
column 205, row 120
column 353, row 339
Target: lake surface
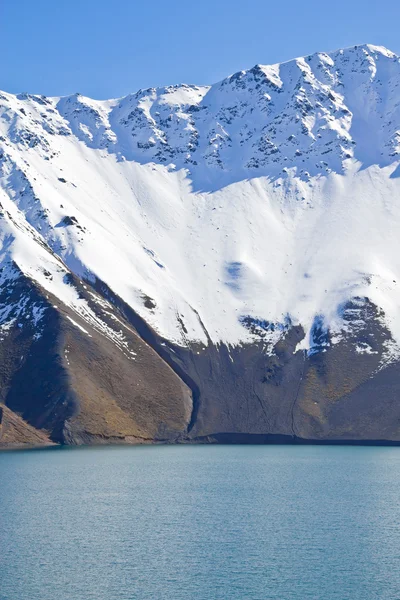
column 200, row 522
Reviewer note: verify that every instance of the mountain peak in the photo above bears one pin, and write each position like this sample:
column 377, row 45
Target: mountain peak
column 289, row 128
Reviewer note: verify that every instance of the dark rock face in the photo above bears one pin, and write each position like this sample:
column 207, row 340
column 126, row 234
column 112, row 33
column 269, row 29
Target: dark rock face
column 346, row 392
column 34, row 383
column 74, row 383
column 335, row 392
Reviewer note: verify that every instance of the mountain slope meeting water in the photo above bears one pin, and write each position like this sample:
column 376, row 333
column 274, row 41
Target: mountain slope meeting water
column 205, row 263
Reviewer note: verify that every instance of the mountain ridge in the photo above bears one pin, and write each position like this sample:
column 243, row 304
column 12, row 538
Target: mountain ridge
column 251, row 225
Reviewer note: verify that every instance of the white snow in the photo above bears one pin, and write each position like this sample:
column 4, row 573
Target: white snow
column 78, row 326
column 273, row 194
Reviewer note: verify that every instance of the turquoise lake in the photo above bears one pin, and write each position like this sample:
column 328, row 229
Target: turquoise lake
column 200, row 522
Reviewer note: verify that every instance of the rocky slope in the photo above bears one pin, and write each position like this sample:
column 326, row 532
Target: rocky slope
column 205, row 263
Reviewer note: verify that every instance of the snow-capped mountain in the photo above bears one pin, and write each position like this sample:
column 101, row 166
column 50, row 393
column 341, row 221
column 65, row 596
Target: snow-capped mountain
column 258, row 214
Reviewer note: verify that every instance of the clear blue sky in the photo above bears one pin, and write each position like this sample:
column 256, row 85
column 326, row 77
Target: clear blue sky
column 108, row 48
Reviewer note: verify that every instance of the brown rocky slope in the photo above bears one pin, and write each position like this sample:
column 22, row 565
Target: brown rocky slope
column 111, row 379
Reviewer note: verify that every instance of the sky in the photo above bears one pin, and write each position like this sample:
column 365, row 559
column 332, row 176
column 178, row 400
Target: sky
column 109, row 48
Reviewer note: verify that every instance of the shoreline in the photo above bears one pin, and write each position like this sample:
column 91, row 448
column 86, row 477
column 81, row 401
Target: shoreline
column 214, row 439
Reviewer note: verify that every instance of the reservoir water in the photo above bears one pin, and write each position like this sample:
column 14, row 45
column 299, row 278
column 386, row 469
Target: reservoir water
column 200, row 523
